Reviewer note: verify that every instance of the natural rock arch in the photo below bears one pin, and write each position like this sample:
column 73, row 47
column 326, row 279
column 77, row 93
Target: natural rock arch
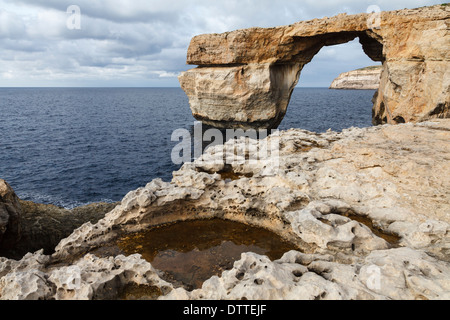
column 245, row 78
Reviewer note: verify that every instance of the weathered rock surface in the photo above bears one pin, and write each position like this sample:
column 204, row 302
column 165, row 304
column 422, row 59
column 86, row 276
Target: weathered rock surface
column 361, row 79
column 90, row 278
column 245, row 77
column 404, row 274
column 369, row 208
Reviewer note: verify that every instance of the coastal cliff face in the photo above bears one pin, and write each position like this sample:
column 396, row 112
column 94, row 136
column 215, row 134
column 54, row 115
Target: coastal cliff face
column 10, row 223
column 26, row 226
column 245, row 78
column 361, row 79
column 368, row 213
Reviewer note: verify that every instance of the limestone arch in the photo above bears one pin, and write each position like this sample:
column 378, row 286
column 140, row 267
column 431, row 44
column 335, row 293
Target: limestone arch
column 245, row 78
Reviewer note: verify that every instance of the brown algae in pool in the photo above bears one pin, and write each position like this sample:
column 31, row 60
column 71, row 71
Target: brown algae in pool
column 191, row 252
column 134, row 291
column 231, row 175
column 391, row 238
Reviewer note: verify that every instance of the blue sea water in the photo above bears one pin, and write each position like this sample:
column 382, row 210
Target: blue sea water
column 74, row 146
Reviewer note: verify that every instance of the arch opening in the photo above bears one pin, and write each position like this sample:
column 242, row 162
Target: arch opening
column 312, row 105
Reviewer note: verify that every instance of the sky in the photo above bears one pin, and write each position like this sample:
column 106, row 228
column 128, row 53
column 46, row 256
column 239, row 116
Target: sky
column 143, row 43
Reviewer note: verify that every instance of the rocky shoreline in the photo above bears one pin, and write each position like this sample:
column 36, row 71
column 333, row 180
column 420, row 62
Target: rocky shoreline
column 368, row 207
column 26, row 226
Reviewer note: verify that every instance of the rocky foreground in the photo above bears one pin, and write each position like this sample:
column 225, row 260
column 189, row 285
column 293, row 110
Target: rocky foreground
column 369, row 209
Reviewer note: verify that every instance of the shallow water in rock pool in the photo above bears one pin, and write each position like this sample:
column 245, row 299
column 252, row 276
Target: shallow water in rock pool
column 190, row 252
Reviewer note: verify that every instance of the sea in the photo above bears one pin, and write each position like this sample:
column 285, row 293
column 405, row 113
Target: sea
column 74, row 146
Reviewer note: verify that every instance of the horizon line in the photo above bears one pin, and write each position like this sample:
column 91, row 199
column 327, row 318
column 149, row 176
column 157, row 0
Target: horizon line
column 117, row 87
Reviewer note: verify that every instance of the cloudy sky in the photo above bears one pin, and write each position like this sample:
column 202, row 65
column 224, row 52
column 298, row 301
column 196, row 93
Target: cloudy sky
column 143, row 43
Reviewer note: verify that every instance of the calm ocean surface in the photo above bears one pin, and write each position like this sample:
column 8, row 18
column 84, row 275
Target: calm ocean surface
column 74, row 146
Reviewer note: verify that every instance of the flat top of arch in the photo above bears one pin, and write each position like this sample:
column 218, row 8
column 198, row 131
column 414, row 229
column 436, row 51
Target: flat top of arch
column 278, row 44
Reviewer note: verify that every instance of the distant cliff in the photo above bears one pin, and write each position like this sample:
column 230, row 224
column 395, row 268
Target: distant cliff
column 363, row 79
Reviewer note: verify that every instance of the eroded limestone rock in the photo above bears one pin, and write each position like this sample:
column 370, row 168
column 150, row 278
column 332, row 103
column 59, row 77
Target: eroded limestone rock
column 90, row 278
column 400, row 274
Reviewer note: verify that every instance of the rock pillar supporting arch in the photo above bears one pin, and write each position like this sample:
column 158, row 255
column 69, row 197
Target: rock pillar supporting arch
column 245, row 78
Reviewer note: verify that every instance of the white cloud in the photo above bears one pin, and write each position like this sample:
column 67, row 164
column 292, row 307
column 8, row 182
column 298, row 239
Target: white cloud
column 11, row 25
column 143, row 41
column 165, row 74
